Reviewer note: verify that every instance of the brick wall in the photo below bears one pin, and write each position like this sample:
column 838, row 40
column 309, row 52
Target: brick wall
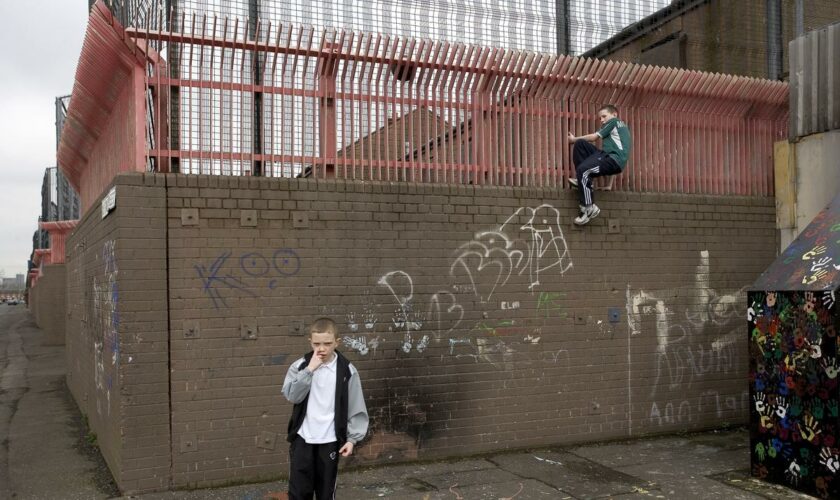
column 47, row 303
column 480, row 318
column 117, row 348
column 728, row 37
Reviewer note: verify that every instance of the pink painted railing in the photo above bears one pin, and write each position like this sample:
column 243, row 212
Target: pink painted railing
column 41, row 257
column 103, row 132
column 227, row 96
column 59, row 231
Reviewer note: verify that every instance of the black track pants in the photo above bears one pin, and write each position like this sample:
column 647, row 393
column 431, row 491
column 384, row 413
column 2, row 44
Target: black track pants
column 591, row 162
column 313, row 469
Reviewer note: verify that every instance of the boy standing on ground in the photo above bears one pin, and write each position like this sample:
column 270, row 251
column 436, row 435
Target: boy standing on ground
column 329, row 416
column 591, row 162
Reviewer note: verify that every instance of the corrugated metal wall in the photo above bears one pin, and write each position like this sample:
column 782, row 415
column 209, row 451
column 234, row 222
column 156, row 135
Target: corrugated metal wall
column 815, row 82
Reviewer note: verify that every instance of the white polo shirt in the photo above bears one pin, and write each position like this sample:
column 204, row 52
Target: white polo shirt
column 319, row 424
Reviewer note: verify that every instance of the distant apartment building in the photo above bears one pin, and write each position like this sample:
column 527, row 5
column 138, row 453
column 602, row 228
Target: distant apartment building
column 13, row 284
column 66, row 198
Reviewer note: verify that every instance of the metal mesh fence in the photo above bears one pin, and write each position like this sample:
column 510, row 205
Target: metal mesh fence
column 514, row 24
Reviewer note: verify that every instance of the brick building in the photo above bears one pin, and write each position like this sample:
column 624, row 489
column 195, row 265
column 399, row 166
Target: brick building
column 719, row 36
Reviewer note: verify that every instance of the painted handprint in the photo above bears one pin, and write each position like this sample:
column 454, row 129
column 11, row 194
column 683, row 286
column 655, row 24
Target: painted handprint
column 751, row 314
column 817, row 409
column 830, row 367
column 408, row 343
column 793, row 472
column 760, row 402
column 828, row 298
column 817, row 250
column 352, row 325
column 760, row 451
column 358, row 344
column 829, row 459
column 369, row 317
column 781, row 407
column 810, row 302
column 833, row 408
column 814, row 277
column 810, row 430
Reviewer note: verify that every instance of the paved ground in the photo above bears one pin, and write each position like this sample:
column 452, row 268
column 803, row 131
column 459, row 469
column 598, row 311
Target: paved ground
column 44, row 454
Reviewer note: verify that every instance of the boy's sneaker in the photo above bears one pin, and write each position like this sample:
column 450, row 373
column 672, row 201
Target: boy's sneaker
column 588, row 214
column 573, row 182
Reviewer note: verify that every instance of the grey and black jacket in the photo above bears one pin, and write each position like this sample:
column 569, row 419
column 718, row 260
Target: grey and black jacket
column 351, row 417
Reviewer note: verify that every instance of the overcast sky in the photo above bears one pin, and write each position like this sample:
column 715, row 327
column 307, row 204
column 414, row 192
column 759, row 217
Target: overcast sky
column 41, row 43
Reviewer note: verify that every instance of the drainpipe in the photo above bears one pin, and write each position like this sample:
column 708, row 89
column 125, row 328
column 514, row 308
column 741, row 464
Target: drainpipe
column 800, row 19
column 257, row 65
column 564, row 44
column 774, row 39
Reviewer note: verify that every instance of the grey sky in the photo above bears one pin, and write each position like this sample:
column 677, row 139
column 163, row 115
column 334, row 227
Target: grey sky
column 41, row 41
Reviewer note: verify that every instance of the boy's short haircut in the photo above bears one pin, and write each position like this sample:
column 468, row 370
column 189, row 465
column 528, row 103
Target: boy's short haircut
column 323, row 325
column 610, row 108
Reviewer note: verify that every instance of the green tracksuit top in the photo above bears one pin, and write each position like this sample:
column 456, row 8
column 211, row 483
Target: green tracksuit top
column 617, row 140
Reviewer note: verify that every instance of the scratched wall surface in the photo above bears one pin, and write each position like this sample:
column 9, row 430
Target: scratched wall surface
column 480, row 318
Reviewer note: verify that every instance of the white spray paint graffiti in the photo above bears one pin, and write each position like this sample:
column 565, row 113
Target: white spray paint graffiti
column 369, row 313
column 446, row 320
column 529, row 243
column 710, row 307
column 401, row 286
column 502, row 255
column 361, row 344
column 685, row 353
column 545, row 246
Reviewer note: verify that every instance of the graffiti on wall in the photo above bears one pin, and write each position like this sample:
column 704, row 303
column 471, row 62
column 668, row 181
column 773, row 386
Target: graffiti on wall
column 516, row 257
column 250, row 274
column 466, row 315
column 106, row 317
column 696, row 330
column 793, row 378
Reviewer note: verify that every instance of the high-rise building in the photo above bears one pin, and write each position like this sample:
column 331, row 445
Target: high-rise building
column 66, row 198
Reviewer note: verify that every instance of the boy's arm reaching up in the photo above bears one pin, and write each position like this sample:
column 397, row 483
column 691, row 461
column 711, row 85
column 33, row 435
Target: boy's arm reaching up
column 297, row 383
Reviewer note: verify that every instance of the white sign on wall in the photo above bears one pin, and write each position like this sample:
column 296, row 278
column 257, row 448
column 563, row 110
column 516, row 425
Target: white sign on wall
column 109, row 202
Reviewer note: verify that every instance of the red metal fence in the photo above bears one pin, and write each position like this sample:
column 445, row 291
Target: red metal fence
column 236, row 97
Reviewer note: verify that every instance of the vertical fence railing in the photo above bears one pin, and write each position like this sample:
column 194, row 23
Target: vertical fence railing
column 226, row 96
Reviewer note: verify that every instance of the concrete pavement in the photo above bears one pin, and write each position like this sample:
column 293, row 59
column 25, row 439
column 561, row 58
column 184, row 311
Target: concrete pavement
column 45, row 454
column 43, row 451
